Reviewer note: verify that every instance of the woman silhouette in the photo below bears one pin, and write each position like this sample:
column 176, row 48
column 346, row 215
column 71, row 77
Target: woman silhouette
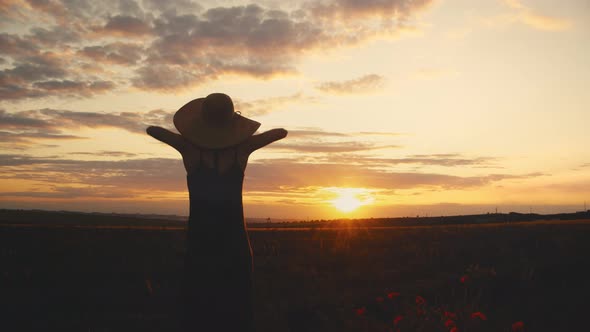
column 215, row 144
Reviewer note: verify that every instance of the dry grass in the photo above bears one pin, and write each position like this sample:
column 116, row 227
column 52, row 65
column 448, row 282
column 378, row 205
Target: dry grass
column 307, row 280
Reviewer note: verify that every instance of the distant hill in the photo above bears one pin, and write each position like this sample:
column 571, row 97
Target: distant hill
column 69, row 218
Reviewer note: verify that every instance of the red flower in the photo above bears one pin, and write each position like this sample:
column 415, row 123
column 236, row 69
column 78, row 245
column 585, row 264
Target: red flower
column 518, row 326
column 479, row 315
column 420, row 300
column 454, row 329
column 379, row 299
column 392, row 295
column 449, row 323
column 361, row 311
column 464, row 279
column 450, row 315
column 397, row 319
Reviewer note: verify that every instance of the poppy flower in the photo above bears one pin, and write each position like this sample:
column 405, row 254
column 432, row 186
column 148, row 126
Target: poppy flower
column 420, row 300
column 449, row 323
column 450, row 315
column 454, row 329
column 478, row 315
column 392, row 295
column 518, row 326
column 397, row 319
column 361, row 311
column 464, row 279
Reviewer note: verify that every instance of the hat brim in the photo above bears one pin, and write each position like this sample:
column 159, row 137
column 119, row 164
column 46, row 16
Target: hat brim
column 191, row 125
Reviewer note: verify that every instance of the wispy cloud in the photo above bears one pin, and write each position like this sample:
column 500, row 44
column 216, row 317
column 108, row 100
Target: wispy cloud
column 528, row 16
column 142, row 176
column 27, row 128
column 330, row 147
column 366, row 83
column 264, row 106
column 443, row 160
column 106, row 153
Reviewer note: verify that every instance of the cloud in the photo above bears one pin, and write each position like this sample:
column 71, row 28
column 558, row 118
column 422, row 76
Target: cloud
column 27, row 128
column 312, row 133
column 114, row 53
column 64, row 192
column 30, row 69
column 43, row 75
column 269, row 176
column 367, row 83
column 351, row 9
column 163, row 175
column 443, row 160
column 37, row 125
column 261, row 107
column 20, row 140
column 14, row 45
column 127, row 26
column 135, row 176
column 182, row 43
column 56, row 120
column 165, row 78
column 72, row 88
column 306, row 133
column 107, row 153
column 11, row 11
column 57, row 36
column 528, row 16
column 244, row 40
column 20, row 120
column 329, row 147
column 172, row 6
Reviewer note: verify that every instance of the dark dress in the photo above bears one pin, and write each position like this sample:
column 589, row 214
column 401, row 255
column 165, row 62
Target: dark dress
column 217, row 285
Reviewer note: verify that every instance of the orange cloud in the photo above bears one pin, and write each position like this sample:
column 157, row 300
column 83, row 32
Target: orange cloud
column 530, row 17
column 271, row 177
column 260, row 107
column 367, row 83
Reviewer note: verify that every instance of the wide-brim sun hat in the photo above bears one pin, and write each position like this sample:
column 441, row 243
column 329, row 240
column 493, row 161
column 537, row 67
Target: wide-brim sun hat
column 212, row 123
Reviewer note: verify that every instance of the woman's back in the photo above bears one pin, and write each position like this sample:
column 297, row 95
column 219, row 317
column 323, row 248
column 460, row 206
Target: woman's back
column 218, row 264
column 217, row 283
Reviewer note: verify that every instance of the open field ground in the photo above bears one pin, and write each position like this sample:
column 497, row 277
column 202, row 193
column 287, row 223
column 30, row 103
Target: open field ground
column 92, row 279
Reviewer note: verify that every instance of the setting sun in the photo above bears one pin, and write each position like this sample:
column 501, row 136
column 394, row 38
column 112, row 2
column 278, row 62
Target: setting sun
column 350, row 199
column 347, row 203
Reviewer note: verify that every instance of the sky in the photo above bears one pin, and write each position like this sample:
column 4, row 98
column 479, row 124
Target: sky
column 393, row 107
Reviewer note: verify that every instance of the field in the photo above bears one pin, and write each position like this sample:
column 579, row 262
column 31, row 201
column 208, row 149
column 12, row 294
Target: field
column 485, row 277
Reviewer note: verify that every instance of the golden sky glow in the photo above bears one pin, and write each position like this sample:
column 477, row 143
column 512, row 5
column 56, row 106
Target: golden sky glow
column 394, row 107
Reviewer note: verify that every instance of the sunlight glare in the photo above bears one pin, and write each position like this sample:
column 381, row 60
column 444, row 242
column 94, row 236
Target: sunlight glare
column 349, row 199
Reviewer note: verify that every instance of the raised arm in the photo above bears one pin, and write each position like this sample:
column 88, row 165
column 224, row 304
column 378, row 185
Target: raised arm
column 258, row 141
column 174, row 140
